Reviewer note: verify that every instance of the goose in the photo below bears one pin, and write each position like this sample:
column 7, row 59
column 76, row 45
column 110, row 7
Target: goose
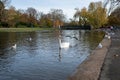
column 14, row 46
column 64, row 44
column 100, row 45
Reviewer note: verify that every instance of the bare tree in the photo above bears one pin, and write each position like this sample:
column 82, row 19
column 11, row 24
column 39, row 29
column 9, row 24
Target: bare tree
column 57, row 14
column 32, row 13
column 1, row 10
column 6, row 2
column 114, row 18
column 57, row 17
column 77, row 13
column 3, row 3
column 113, row 4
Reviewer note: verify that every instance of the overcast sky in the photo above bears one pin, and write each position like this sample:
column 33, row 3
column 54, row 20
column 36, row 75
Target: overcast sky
column 67, row 6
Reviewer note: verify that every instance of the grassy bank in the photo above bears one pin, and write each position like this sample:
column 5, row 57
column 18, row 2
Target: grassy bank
column 23, row 29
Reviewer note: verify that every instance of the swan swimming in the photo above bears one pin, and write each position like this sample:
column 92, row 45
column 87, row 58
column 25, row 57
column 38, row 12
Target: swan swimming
column 14, row 46
column 64, row 44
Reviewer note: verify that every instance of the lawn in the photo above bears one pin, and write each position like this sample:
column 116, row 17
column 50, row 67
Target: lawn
column 23, row 29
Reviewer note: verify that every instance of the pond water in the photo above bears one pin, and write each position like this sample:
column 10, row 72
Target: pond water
column 37, row 55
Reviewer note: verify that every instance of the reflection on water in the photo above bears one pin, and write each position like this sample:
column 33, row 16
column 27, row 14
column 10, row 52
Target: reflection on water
column 40, row 58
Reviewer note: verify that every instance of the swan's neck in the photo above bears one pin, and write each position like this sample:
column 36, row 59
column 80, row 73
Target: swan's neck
column 60, row 42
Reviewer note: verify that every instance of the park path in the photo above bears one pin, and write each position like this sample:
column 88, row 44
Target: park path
column 90, row 69
column 111, row 66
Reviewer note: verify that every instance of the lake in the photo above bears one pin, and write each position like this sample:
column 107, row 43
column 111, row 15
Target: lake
column 38, row 55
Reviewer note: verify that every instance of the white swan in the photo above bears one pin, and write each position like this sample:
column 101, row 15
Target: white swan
column 64, row 44
column 100, row 45
column 14, row 46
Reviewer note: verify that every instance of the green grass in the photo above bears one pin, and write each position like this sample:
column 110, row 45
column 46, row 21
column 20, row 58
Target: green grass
column 23, row 29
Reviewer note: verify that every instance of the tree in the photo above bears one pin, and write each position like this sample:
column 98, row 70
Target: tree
column 97, row 14
column 94, row 16
column 81, row 15
column 32, row 13
column 84, row 16
column 76, row 15
column 113, row 4
column 114, row 18
column 57, row 17
column 6, row 2
column 3, row 12
column 2, row 9
column 72, row 22
column 21, row 18
column 91, row 7
column 12, row 16
column 45, row 20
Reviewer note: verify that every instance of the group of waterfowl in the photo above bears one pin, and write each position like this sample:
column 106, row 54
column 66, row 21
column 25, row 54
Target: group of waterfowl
column 65, row 44
column 15, row 45
column 106, row 36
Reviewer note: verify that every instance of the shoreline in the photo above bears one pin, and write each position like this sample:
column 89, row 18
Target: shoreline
column 90, row 69
column 111, row 66
column 24, row 29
